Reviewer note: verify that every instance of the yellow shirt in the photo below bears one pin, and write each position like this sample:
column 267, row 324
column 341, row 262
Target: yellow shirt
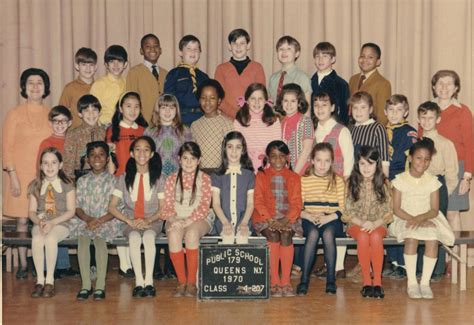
column 108, row 90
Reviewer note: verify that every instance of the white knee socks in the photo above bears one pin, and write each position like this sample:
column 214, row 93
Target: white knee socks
column 341, row 255
column 124, row 258
column 428, row 267
column 150, row 253
column 135, row 242
column 410, row 265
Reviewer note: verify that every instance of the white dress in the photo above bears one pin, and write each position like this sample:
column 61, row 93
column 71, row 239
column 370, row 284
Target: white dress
column 415, row 200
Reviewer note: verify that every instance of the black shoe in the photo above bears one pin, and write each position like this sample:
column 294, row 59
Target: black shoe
column 83, row 294
column 22, row 273
column 150, row 291
column 302, row 289
column 99, row 295
column 378, row 292
column 331, row 288
column 158, row 275
column 367, row 291
column 127, row 274
column 138, row 292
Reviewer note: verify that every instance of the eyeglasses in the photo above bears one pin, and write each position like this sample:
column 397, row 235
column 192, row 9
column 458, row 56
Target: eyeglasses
column 60, row 122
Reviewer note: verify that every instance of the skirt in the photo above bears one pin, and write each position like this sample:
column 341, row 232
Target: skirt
column 156, row 226
column 458, row 202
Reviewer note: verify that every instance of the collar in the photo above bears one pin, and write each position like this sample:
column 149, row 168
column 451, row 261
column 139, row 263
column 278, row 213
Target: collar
column 234, row 169
column 453, row 102
column 368, row 74
column 369, row 121
column 56, row 186
column 290, row 70
column 146, row 187
column 321, row 75
column 126, row 126
column 328, row 125
column 82, row 82
column 150, row 65
column 394, row 126
column 430, row 134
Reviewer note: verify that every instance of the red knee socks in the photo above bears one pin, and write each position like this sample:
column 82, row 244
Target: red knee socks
column 179, row 267
column 286, row 258
column 192, row 264
column 274, row 263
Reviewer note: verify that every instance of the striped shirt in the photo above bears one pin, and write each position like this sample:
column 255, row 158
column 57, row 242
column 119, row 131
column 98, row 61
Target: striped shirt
column 370, row 133
column 317, row 198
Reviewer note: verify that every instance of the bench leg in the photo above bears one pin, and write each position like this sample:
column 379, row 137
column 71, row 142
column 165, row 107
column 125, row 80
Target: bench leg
column 15, row 257
column 463, row 267
column 8, row 257
column 454, row 268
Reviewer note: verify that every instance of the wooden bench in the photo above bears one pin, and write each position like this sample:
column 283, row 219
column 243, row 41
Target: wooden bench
column 463, row 238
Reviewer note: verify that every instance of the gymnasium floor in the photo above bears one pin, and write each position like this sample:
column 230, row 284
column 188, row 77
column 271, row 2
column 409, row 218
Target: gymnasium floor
column 450, row 306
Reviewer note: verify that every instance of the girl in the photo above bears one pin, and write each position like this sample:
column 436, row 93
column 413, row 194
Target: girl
column 456, row 125
column 232, row 190
column 417, row 217
column 297, row 129
column 168, row 132
column 209, row 130
column 138, row 189
column 277, row 200
column 368, row 210
column 93, row 195
column 365, row 130
column 327, row 129
column 51, row 205
column 187, row 197
column 127, row 125
column 257, row 122
column 323, row 202
column 24, row 128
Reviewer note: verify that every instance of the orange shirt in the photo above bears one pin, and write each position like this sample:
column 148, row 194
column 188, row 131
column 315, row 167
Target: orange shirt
column 70, row 96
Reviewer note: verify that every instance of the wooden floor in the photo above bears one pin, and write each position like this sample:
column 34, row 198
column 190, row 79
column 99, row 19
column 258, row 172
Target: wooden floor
column 450, row 306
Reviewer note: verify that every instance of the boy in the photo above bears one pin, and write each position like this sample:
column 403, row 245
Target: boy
column 184, row 80
column 92, row 201
column 370, row 80
column 148, row 78
column 401, row 137
column 237, row 74
column 288, row 50
column 85, row 63
column 444, row 164
column 326, row 79
column 110, row 87
column 60, row 119
column 88, row 108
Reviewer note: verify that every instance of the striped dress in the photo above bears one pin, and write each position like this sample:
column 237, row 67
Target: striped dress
column 370, row 133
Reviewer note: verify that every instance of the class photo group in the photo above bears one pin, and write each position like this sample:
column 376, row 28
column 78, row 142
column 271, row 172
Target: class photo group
column 149, row 153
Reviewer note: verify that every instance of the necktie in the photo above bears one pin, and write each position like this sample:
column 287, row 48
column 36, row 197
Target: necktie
column 280, row 83
column 361, row 81
column 50, row 203
column 139, row 210
column 192, row 72
column 154, row 72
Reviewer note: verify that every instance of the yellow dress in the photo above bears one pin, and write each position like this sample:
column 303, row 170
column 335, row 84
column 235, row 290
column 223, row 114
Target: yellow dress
column 24, row 128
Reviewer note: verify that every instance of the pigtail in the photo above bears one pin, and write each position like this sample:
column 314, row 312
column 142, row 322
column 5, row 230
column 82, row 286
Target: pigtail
column 130, row 172
column 154, row 168
column 116, row 124
column 243, row 116
column 193, row 192
column 268, row 117
column 179, row 178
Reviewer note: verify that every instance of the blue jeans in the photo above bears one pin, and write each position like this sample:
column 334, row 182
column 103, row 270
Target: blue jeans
column 328, row 233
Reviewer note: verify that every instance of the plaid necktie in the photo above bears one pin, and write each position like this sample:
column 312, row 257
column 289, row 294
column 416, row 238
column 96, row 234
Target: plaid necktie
column 192, row 72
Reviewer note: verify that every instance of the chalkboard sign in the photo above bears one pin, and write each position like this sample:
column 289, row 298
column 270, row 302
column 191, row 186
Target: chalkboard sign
column 233, row 272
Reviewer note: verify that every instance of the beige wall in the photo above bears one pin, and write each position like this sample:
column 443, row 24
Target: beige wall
column 417, row 37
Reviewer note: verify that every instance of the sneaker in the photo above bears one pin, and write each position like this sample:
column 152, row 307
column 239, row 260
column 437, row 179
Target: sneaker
column 191, row 290
column 398, row 274
column 22, row 273
column 287, row 291
column 180, row 289
column 388, row 270
column 426, row 292
column 275, row 291
column 356, row 270
column 414, row 291
column 321, row 272
column 295, row 272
